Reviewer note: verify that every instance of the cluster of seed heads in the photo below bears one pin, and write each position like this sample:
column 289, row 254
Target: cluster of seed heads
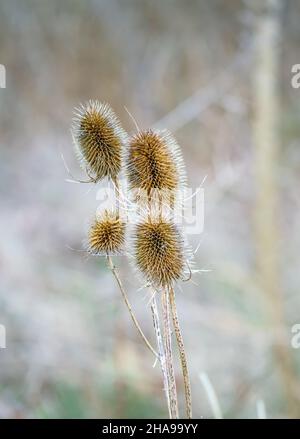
column 152, row 161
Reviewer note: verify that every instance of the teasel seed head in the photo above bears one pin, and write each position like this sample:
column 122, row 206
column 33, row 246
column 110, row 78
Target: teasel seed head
column 99, row 140
column 154, row 162
column 106, row 234
column 159, row 252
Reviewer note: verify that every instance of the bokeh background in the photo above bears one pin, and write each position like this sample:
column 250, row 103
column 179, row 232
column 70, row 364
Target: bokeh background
column 217, row 74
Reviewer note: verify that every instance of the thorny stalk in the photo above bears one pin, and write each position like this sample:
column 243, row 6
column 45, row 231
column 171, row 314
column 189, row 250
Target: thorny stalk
column 169, row 355
column 160, row 347
column 183, row 360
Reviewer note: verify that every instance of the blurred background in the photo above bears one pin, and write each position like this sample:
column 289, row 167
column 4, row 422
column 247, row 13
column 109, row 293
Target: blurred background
column 218, row 75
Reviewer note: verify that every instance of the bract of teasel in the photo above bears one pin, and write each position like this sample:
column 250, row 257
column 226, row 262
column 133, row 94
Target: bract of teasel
column 154, row 166
column 99, row 140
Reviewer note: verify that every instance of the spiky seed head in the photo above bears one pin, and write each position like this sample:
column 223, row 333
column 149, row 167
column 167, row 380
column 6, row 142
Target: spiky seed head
column 106, row 234
column 159, row 252
column 99, row 140
column 154, row 162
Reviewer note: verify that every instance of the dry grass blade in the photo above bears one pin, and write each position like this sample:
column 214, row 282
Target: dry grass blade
column 211, row 395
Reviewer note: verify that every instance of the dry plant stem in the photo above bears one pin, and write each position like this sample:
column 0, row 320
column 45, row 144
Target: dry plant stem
column 161, row 350
column 169, row 355
column 180, row 343
column 126, row 300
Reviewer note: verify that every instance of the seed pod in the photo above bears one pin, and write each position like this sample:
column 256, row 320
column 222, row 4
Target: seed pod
column 154, row 162
column 159, row 252
column 106, row 234
column 99, row 140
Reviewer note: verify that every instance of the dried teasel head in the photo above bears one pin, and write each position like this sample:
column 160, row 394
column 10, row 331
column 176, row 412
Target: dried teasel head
column 159, row 252
column 154, row 162
column 99, row 140
column 106, row 234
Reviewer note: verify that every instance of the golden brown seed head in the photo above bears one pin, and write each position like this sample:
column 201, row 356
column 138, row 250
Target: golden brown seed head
column 106, row 234
column 159, row 252
column 99, row 140
column 153, row 162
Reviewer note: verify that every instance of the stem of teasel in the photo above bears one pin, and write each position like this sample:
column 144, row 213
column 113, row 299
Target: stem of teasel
column 183, row 360
column 169, row 355
column 167, row 336
column 160, row 348
column 164, row 346
column 126, row 300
